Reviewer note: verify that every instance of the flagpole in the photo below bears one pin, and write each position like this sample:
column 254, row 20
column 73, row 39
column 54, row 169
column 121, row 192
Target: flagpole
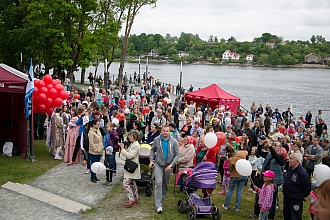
column 29, row 111
column 31, row 134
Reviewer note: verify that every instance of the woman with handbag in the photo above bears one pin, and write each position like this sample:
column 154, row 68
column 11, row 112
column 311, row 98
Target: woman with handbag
column 132, row 167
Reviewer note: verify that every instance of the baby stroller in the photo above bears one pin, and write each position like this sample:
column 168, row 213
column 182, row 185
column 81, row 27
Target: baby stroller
column 146, row 171
column 203, row 176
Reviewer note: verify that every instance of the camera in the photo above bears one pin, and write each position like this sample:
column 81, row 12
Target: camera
column 126, row 144
column 263, row 137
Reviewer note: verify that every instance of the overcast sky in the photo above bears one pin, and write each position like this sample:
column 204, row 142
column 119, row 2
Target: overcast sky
column 242, row 19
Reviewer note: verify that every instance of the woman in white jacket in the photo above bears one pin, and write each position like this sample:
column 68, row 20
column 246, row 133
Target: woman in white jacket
column 131, row 153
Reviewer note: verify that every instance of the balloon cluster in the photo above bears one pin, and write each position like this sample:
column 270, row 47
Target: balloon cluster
column 48, row 94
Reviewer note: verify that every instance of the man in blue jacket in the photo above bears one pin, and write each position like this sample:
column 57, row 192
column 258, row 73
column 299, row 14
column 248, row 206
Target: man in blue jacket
column 167, row 150
column 295, row 188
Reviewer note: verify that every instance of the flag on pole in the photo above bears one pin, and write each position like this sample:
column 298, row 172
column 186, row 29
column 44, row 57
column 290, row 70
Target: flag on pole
column 28, row 92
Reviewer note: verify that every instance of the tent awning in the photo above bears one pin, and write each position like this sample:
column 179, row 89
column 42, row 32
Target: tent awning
column 12, row 80
column 214, row 95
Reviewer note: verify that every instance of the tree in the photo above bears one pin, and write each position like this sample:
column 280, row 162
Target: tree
column 313, row 39
column 216, row 39
column 181, row 45
column 172, row 51
column 132, row 7
column 59, row 30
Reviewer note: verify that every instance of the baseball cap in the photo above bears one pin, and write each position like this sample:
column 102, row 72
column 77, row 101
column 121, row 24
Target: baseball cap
column 280, row 136
column 269, row 173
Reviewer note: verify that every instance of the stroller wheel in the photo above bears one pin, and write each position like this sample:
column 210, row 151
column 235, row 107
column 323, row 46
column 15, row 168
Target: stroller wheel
column 216, row 215
column 191, row 214
column 148, row 192
column 182, row 206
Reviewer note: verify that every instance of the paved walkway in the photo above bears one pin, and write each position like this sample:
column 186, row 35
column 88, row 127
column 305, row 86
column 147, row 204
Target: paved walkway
column 69, row 183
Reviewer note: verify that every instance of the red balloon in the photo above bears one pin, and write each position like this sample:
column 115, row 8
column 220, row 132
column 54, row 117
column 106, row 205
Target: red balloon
column 138, row 92
column 49, row 86
column 49, row 103
column 52, row 93
column 57, row 102
column 50, row 111
column 35, row 110
column 281, row 129
column 221, row 138
column 36, row 83
column 56, row 81
column 42, row 98
column 164, row 102
column 76, row 96
column 145, row 110
column 35, row 98
column 42, row 108
column 59, row 87
column 36, row 91
column 121, row 117
column 238, row 139
column 41, row 84
column 63, row 95
column 47, row 79
column 43, row 90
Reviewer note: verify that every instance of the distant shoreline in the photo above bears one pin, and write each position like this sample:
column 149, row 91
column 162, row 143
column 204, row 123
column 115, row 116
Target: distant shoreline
column 205, row 62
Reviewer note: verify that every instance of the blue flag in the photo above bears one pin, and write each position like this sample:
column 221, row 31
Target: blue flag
column 28, row 92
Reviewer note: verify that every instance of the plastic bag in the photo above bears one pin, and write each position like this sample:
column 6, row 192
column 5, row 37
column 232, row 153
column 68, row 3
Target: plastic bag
column 7, row 149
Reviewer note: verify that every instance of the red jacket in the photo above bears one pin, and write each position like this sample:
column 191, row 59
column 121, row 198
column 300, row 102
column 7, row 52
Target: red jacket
column 210, row 155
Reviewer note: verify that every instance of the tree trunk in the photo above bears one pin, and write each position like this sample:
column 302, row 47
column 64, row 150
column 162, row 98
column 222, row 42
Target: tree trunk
column 82, row 76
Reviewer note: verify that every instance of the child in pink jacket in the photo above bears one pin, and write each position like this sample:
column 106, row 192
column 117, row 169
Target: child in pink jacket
column 266, row 194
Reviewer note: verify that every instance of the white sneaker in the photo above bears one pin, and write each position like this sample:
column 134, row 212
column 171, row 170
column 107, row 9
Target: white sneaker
column 159, row 210
column 87, row 171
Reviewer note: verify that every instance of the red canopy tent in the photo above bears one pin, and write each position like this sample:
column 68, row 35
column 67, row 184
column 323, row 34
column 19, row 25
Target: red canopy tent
column 214, row 95
column 13, row 124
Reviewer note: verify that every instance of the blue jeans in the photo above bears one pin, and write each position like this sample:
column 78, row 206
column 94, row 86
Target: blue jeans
column 94, row 158
column 239, row 183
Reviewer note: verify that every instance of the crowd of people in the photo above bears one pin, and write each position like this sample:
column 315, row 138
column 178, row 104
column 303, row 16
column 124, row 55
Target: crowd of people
column 98, row 123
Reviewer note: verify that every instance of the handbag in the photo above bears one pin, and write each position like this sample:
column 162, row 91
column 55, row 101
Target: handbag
column 130, row 166
column 103, row 131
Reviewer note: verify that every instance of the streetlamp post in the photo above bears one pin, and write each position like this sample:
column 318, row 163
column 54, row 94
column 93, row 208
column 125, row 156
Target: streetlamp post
column 146, row 68
column 180, row 76
column 139, row 67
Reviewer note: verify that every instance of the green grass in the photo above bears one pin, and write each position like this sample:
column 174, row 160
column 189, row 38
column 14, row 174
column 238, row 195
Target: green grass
column 112, row 206
column 19, row 170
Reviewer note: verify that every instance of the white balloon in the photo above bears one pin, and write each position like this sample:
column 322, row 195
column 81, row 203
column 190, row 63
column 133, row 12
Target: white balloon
column 115, row 121
column 126, row 111
column 169, row 100
column 321, row 173
column 98, row 167
column 210, row 139
column 243, row 167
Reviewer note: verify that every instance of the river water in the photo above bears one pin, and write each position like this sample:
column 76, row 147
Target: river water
column 304, row 88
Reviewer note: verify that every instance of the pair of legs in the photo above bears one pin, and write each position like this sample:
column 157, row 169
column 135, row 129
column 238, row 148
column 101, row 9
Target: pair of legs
column 238, row 183
column 131, row 189
column 161, row 184
column 94, row 158
column 76, row 149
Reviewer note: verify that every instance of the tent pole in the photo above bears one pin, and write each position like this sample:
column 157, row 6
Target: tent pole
column 31, row 134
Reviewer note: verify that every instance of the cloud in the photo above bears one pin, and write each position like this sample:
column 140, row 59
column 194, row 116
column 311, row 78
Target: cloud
column 242, row 19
